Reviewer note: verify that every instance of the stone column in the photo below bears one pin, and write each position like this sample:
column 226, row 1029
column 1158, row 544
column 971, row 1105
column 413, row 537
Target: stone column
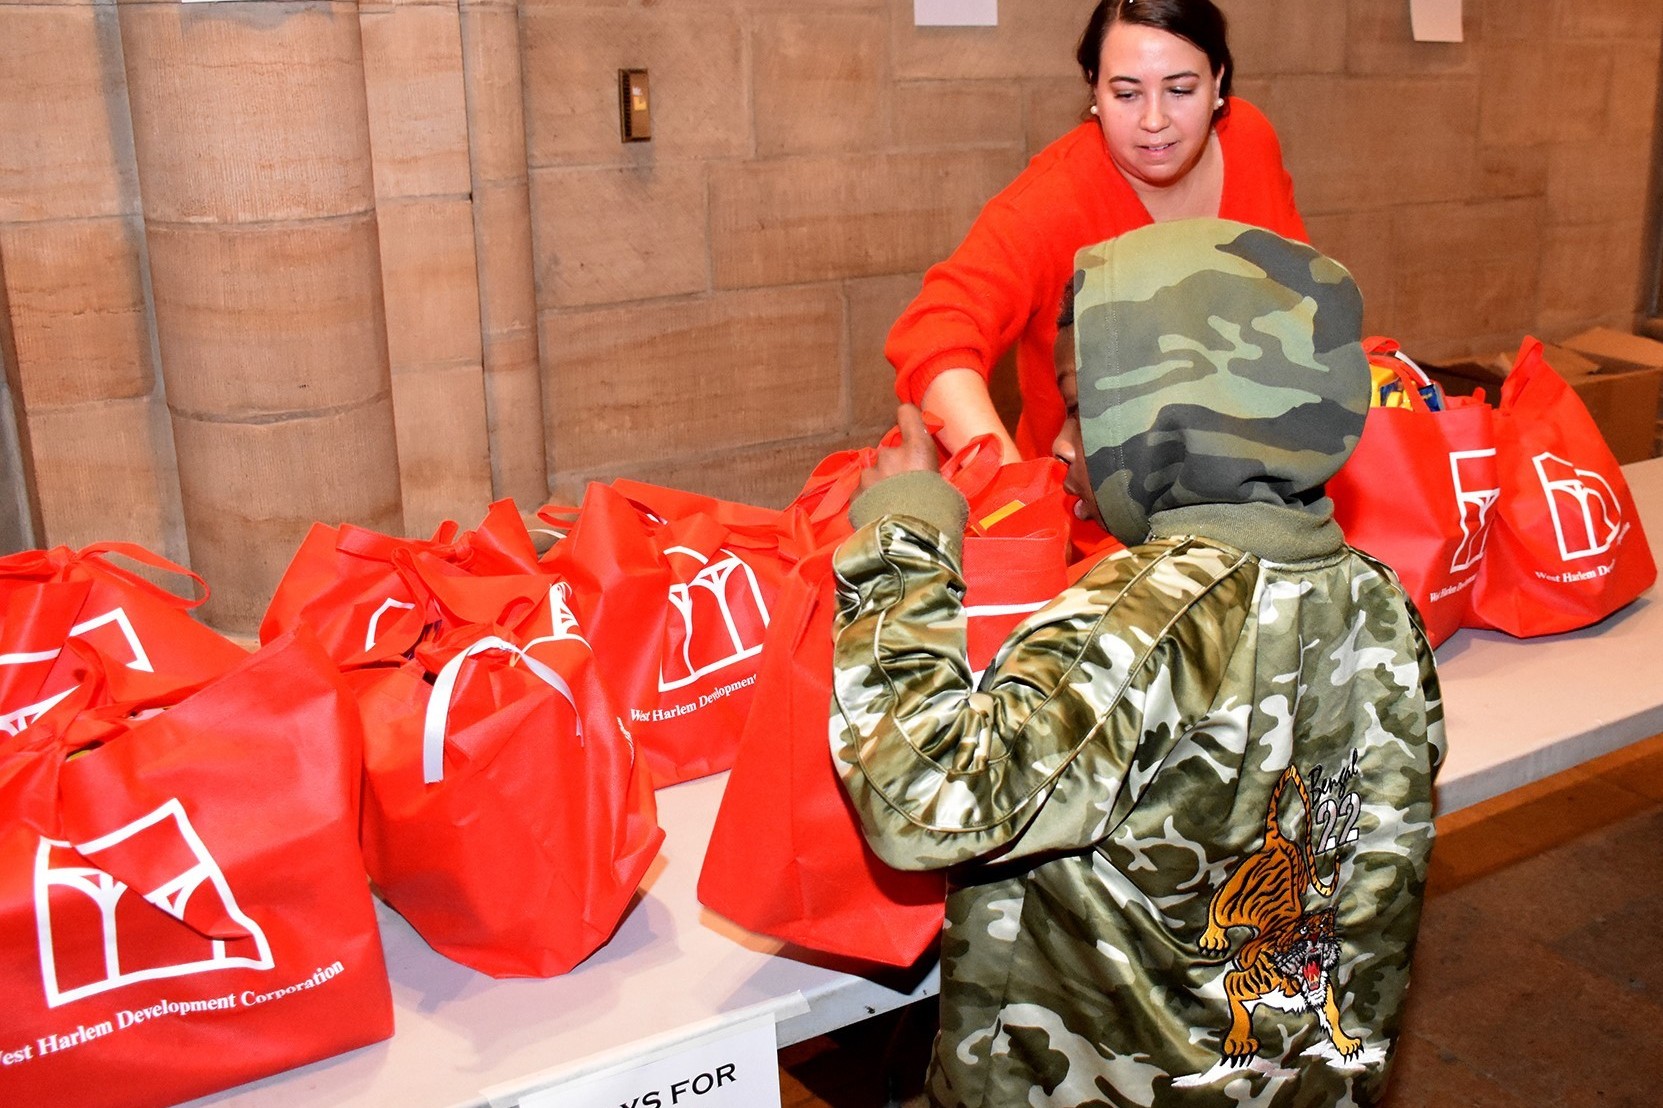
column 491, row 54
column 92, row 455
column 419, row 136
column 19, row 509
column 252, row 141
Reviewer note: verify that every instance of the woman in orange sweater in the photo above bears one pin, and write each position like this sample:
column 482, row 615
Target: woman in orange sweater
column 1166, row 141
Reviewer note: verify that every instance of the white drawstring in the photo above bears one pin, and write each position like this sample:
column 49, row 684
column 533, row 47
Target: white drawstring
column 444, row 687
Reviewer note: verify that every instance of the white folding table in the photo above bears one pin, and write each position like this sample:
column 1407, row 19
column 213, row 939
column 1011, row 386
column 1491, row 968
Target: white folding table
column 1516, row 711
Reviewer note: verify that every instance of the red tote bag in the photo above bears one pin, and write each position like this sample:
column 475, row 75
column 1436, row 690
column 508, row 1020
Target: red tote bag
column 345, row 582
column 506, row 815
column 995, row 494
column 1419, row 493
column 676, row 610
column 1567, row 548
column 182, row 902
column 820, row 510
column 146, row 635
column 787, row 856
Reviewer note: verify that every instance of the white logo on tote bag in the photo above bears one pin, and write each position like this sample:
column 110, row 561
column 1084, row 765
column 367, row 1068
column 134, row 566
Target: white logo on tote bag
column 373, row 631
column 15, row 721
column 95, row 937
column 722, row 620
column 1475, row 503
column 563, row 624
column 1586, row 518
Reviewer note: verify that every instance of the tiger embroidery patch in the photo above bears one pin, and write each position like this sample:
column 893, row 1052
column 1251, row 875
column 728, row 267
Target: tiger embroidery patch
column 1288, row 960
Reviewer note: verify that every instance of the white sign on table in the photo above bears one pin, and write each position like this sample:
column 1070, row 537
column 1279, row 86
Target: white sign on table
column 734, row 1067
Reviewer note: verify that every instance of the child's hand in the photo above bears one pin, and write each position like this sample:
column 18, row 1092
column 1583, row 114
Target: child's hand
column 915, row 453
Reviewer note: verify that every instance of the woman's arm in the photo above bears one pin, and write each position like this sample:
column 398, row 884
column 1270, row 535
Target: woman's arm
column 972, row 307
column 959, row 397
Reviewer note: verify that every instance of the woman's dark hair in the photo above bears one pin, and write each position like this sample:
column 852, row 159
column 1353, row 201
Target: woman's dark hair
column 1196, row 21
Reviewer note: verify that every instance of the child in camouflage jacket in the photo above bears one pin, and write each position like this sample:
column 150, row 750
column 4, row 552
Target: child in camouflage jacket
column 1188, row 809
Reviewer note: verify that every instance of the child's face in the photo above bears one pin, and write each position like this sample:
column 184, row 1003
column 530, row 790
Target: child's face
column 1069, row 447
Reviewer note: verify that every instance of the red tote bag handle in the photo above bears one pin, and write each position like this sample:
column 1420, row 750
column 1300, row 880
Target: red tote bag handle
column 835, row 482
column 136, row 553
column 832, row 487
column 975, row 467
column 44, row 565
column 361, row 542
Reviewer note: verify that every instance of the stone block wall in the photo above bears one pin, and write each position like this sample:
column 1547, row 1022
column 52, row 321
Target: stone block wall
column 1479, row 190
column 542, row 304
column 713, row 303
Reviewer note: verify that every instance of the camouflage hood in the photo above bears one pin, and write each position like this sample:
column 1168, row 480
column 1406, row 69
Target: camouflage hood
column 1219, row 364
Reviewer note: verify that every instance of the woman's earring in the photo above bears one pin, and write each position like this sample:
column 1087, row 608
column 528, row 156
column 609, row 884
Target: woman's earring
column 1219, row 103
column 1094, row 109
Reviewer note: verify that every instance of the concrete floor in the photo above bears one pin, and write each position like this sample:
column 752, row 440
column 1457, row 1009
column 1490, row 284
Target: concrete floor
column 1536, row 982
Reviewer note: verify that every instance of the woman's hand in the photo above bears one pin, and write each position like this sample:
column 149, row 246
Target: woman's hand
column 915, row 453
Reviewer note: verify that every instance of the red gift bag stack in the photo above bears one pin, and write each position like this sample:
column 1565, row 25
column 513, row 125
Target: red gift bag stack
column 1515, row 517
column 182, row 904
column 508, row 816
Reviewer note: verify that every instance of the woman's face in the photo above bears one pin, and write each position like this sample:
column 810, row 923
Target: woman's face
column 1155, row 96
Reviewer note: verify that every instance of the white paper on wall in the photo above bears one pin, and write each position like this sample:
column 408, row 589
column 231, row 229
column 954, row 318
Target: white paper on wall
column 955, row 13
column 1435, row 20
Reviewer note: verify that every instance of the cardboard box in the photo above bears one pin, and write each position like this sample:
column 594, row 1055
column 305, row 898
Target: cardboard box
column 1616, row 351
column 1624, row 405
column 1621, row 395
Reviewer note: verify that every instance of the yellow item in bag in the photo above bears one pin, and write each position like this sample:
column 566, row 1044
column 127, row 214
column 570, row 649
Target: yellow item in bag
column 999, row 513
column 1388, row 390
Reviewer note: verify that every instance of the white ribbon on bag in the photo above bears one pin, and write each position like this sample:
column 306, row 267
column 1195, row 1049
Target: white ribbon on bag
column 444, row 688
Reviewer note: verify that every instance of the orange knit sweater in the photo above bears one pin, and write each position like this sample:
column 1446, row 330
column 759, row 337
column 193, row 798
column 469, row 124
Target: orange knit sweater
column 1004, row 283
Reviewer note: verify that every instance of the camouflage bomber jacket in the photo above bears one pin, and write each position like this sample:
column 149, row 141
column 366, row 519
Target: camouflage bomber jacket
column 1187, row 813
